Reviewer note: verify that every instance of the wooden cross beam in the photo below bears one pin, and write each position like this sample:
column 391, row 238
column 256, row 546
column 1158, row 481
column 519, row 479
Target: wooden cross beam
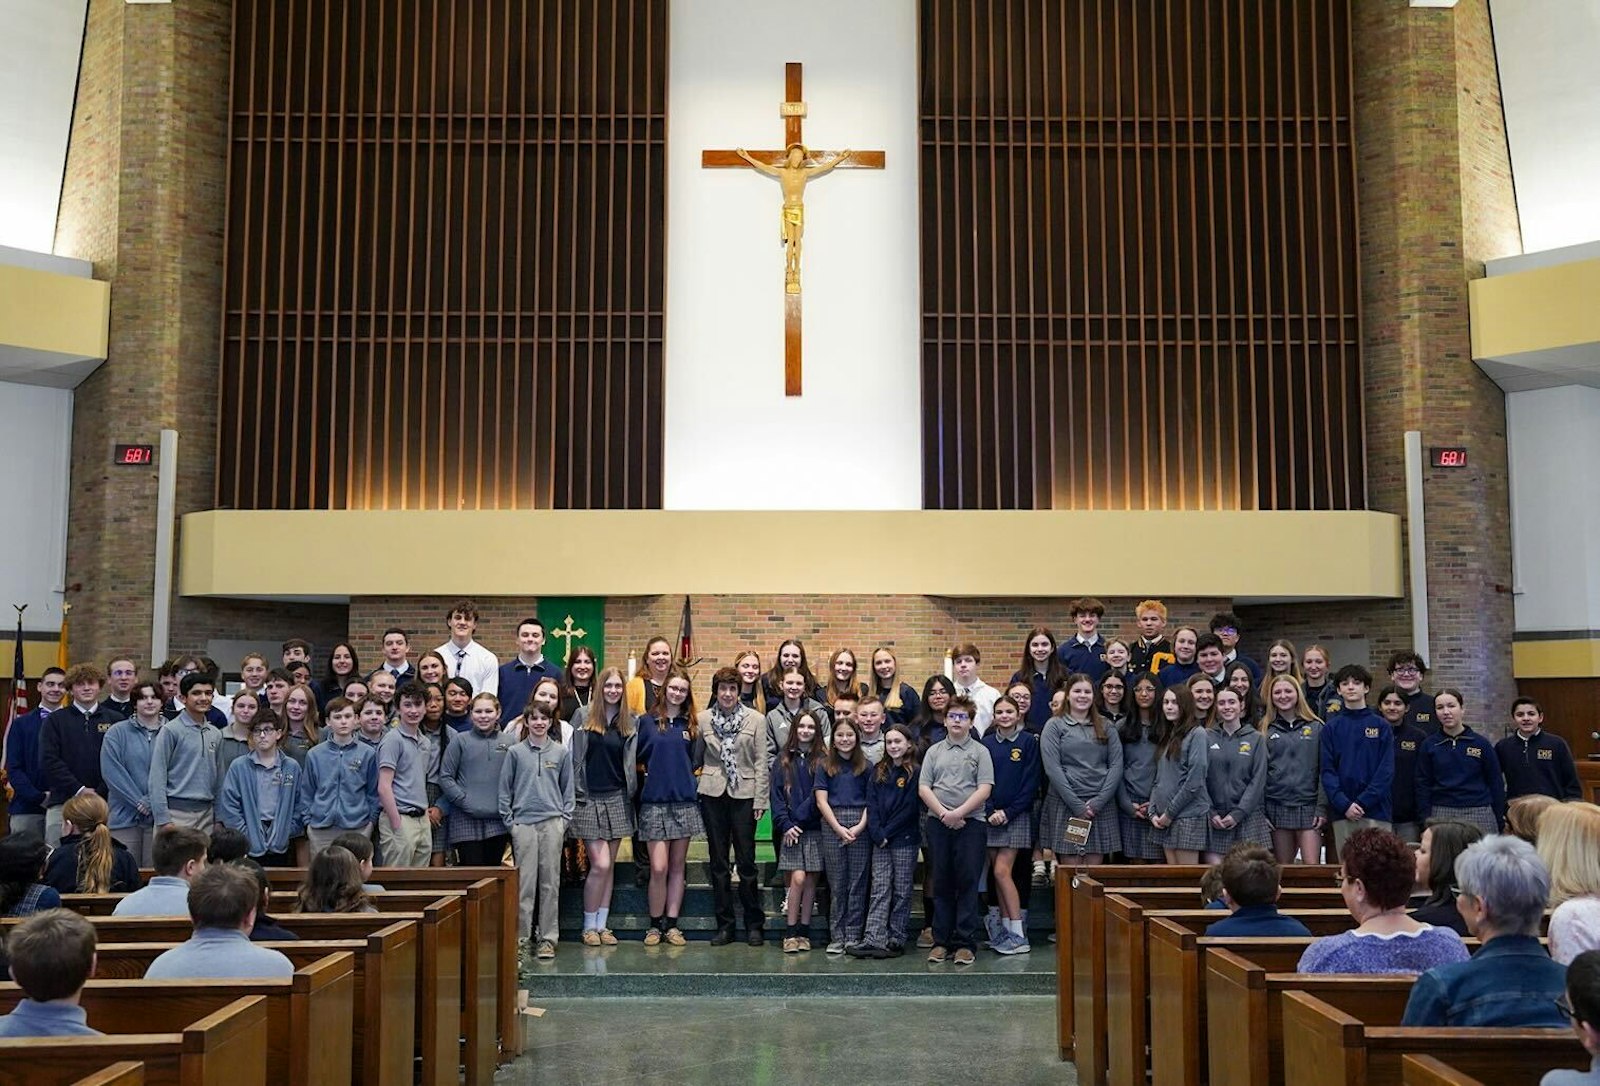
column 793, row 167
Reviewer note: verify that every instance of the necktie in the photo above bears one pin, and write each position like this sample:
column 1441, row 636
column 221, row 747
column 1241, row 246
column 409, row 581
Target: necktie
column 461, row 660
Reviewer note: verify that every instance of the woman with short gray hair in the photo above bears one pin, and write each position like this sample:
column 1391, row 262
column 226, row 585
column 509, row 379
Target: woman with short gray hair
column 1511, row 981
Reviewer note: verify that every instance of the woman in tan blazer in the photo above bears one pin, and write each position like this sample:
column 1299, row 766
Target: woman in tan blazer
column 733, row 796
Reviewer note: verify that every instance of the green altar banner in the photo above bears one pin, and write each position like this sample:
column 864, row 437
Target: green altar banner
column 570, row 621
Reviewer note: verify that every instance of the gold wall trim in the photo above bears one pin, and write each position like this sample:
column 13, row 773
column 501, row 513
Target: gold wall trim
column 1578, row 658
column 301, row 554
column 54, row 313
column 1537, row 310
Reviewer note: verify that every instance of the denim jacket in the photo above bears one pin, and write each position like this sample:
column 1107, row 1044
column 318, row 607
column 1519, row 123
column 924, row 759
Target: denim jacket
column 1510, row 982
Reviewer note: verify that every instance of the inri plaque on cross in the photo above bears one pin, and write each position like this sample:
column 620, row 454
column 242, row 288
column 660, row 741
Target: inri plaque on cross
column 793, row 167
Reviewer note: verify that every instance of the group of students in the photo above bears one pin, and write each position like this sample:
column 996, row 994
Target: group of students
column 1152, row 748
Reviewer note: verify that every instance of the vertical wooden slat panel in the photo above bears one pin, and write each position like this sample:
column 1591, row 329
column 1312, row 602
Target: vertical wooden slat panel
column 1139, row 255
column 445, row 217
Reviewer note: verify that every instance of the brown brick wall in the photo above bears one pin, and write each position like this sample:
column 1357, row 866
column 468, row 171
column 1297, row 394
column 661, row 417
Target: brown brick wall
column 144, row 199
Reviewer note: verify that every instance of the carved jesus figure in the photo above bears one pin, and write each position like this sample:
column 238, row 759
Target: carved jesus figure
column 792, row 176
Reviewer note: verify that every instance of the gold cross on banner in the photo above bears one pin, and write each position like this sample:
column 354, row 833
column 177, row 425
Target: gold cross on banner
column 572, row 635
column 793, row 167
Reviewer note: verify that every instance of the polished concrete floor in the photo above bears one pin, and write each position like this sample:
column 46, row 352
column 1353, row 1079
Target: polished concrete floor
column 771, row 1041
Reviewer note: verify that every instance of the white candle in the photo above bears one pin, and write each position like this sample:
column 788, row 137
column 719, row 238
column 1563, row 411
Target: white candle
column 633, row 665
column 949, row 667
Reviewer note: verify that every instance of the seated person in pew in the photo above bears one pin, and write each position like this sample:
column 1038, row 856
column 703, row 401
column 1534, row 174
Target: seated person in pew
column 22, row 859
column 1582, row 1008
column 222, row 904
column 1443, row 840
column 1211, row 888
column 1375, row 876
column 89, row 860
column 265, row 929
column 360, row 846
column 52, row 955
column 1511, row 981
column 1569, row 845
column 1250, row 886
column 333, row 884
column 180, row 855
column 228, row 845
column 1524, row 814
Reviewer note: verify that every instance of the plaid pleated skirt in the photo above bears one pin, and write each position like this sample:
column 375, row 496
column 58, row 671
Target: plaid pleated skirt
column 1184, row 833
column 1018, row 834
column 1138, row 838
column 1286, row 817
column 670, row 821
column 804, row 855
column 1481, row 817
column 1104, row 832
column 1253, row 830
column 463, row 827
column 602, row 818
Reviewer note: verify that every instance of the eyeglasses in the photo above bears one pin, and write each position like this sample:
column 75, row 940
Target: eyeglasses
column 1564, row 1005
column 264, row 729
column 961, row 717
column 1406, row 670
column 1341, row 878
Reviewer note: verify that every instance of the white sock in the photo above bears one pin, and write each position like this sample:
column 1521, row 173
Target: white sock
column 1014, row 927
column 600, row 918
column 589, row 923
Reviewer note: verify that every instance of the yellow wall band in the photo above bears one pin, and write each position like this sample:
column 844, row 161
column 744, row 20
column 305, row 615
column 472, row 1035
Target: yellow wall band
column 338, row 554
column 1566, row 659
column 47, row 311
column 1536, row 310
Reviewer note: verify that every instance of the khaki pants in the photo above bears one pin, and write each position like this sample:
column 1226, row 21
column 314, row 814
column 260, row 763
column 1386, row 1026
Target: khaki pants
column 409, row 846
column 321, row 839
column 139, row 840
column 199, row 819
column 1343, row 828
column 538, row 852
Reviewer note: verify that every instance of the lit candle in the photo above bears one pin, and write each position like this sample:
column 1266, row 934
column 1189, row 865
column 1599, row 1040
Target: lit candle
column 633, row 665
column 949, row 667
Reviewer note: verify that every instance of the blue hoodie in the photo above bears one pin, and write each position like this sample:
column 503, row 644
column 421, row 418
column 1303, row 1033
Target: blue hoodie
column 239, row 805
column 1358, row 762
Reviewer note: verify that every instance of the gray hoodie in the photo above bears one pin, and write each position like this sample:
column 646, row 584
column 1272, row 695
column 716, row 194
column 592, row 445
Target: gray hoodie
column 536, row 783
column 1294, row 763
column 1236, row 772
column 1081, row 769
column 1180, row 788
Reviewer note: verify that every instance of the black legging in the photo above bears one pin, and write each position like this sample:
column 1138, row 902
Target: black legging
column 489, row 852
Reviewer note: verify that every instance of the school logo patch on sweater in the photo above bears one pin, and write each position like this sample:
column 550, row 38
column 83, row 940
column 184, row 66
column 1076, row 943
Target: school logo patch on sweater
column 1546, row 755
column 1372, row 733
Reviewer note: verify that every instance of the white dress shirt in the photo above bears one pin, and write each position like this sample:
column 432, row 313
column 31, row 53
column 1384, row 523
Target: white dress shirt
column 476, row 664
column 983, row 696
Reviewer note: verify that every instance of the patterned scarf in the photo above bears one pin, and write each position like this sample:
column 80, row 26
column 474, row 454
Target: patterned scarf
column 727, row 729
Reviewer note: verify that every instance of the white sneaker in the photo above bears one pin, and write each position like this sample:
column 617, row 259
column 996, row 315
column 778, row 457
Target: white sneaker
column 1004, row 943
column 836, row 947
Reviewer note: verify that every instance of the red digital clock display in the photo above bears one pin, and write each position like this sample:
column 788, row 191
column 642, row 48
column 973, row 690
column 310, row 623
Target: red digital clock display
column 1448, row 456
column 136, row 455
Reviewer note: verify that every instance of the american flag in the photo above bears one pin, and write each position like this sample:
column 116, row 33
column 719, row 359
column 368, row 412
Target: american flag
column 19, row 698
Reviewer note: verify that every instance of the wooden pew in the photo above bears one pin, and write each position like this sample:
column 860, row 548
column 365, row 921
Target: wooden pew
column 1325, row 1046
column 386, row 995
column 492, row 918
column 225, row 1048
column 1112, row 1017
column 1429, row 1071
column 453, row 950
column 374, row 959
column 309, row 1015
column 1080, row 891
column 1244, row 1011
column 126, row 1073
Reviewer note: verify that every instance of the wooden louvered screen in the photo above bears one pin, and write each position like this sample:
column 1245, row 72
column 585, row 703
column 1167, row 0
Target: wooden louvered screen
column 444, row 255
column 1139, row 255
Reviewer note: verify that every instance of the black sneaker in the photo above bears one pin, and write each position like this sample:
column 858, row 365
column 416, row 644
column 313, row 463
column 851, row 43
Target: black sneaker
column 723, row 937
column 757, row 938
column 867, row 950
column 895, row 950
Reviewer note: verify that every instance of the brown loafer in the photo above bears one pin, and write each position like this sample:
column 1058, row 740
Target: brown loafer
column 938, row 954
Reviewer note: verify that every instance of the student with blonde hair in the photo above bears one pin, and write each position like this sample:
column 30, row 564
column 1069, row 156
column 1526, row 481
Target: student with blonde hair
column 1569, row 845
column 89, row 860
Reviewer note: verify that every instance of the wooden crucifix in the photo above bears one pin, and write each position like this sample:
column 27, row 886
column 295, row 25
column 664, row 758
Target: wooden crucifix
column 792, row 167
